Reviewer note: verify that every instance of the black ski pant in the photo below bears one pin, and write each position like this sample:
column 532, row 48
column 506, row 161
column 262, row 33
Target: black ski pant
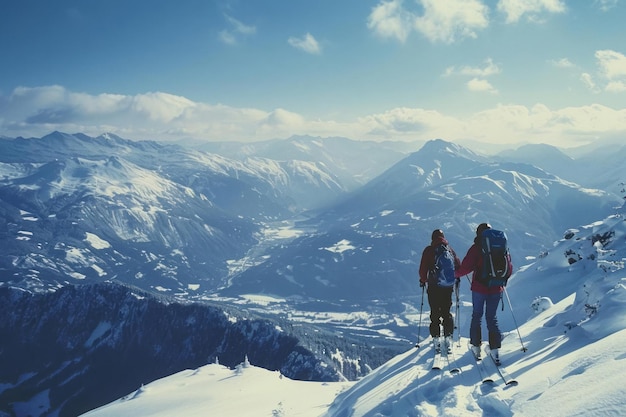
column 440, row 301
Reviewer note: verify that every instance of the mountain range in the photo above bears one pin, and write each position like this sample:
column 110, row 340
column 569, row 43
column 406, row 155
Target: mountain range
column 386, row 223
column 295, row 230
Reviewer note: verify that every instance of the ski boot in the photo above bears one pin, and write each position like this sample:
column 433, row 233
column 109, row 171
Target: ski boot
column 476, row 351
column 495, row 354
column 437, row 344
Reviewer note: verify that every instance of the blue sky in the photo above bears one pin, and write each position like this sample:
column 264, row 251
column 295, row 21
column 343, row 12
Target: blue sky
column 500, row 71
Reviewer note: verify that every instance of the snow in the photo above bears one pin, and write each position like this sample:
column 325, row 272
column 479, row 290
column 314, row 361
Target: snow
column 341, row 246
column 96, row 242
column 101, row 272
column 283, row 232
column 567, row 355
column 98, row 332
column 24, row 235
column 262, row 300
column 77, row 275
column 219, row 391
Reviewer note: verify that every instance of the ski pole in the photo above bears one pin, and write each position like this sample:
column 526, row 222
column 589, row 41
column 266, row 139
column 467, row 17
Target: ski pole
column 419, row 324
column 514, row 320
column 458, row 317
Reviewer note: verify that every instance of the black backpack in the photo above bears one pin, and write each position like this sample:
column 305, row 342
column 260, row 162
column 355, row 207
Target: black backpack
column 496, row 258
column 443, row 274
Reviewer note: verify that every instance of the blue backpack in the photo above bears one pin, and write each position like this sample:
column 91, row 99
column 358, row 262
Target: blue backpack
column 496, row 258
column 444, row 266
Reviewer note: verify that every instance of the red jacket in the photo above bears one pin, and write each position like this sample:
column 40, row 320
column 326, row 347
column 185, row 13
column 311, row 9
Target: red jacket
column 428, row 258
column 473, row 262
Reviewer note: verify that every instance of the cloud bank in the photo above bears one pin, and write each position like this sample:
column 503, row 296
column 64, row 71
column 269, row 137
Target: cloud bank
column 37, row 111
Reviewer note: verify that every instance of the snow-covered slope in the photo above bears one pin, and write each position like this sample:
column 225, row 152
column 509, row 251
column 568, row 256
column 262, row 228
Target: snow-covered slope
column 92, row 220
column 216, row 390
column 572, row 323
column 79, row 209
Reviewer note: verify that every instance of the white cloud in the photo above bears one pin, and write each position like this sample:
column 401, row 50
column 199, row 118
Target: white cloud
column 160, row 107
column 593, row 119
column 612, row 64
column 606, row 5
column 478, row 82
column 240, row 27
column 307, row 43
column 488, row 70
column 532, row 9
column 281, row 123
column 227, row 37
column 563, row 127
column 162, row 116
column 389, row 19
column 588, row 81
column 282, row 117
column 450, row 20
column 510, row 124
column 611, row 75
column 237, row 28
column 444, row 21
column 404, row 120
column 481, row 85
column 562, row 63
column 616, row 87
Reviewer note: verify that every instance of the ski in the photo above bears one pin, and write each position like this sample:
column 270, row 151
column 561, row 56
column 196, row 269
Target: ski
column 506, row 377
column 454, row 370
column 437, row 363
column 451, row 360
column 441, row 361
column 486, row 376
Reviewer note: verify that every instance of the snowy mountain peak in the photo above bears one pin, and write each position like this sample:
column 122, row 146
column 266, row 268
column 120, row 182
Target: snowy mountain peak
column 110, row 137
column 436, row 147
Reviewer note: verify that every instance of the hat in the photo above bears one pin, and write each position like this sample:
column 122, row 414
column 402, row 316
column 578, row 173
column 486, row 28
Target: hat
column 436, row 233
column 481, row 228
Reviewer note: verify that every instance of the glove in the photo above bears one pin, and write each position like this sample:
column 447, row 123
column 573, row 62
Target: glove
column 422, row 284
